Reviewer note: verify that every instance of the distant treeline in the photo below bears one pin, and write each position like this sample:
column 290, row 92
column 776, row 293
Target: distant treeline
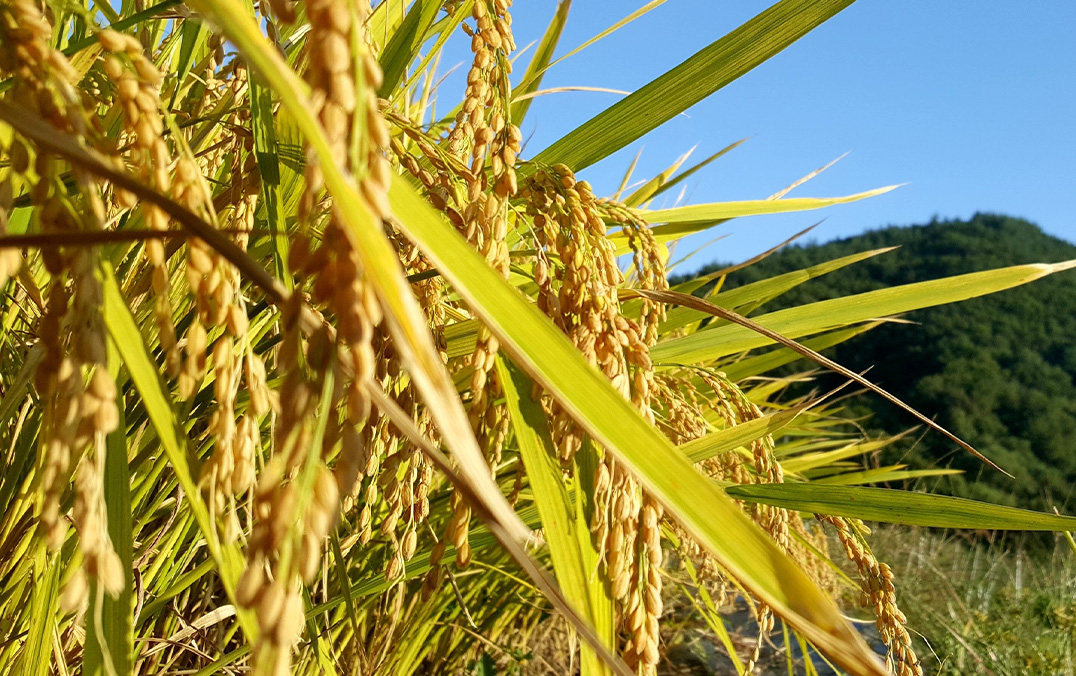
column 999, row 371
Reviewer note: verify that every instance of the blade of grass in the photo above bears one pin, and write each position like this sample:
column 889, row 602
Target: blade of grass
column 192, row 34
column 183, row 582
column 904, row 507
column 650, row 188
column 716, row 211
column 707, row 71
column 755, row 293
column 268, row 159
column 36, row 655
column 763, row 363
column 405, row 43
column 767, row 289
column 529, row 78
column 800, row 181
column 882, row 474
column 722, row 441
column 116, row 628
column 687, row 173
column 130, row 345
column 543, row 54
column 444, row 29
column 341, row 579
column 567, row 542
column 587, row 460
column 1068, row 536
column 679, row 222
column 768, row 252
column 15, row 392
column 627, row 177
column 385, row 20
column 712, row 343
column 809, row 461
column 710, row 614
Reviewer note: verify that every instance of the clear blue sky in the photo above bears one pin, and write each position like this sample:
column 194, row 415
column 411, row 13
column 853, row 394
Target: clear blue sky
column 972, row 104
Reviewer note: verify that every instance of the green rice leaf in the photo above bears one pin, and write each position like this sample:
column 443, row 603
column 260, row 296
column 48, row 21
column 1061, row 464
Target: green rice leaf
column 405, row 43
column 764, row 363
column 130, row 345
column 731, row 438
column 266, row 155
column 443, row 29
column 36, row 656
column 687, row 173
column 181, row 583
column 650, row 188
column 709, row 612
column 810, row 461
column 687, row 217
column 762, row 291
column 707, row 71
column 543, row 54
column 193, row 34
column 719, row 341
column 891, row 506
column 116, row 630
column 679, row 222
column 600, row 36
column 569, row 540
column 882, row 474
column 385, row 20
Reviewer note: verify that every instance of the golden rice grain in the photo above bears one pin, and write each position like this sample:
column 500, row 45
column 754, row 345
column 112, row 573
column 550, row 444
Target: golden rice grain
column 879, row 592
column 78, row 394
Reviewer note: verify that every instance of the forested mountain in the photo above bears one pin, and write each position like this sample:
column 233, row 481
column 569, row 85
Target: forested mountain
column 998, row 371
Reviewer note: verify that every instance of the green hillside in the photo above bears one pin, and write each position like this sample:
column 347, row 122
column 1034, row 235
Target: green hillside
column 999, row 371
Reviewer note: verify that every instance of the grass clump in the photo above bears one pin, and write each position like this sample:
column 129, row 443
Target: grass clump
column 1002, row 606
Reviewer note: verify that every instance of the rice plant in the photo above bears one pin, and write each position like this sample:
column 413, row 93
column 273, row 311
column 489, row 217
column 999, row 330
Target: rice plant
column 300, row 376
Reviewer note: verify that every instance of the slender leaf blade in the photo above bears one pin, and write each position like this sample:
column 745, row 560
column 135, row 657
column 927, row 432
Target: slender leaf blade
column 883, row 474
column 405, row 43
column 696, row 213
column 763, row 363
column 36, row 655
column 904, row 507
column 719, row 341
column 117, row 614
column 266, row 154
column 543, row 54
column 568, row 543
column 761, row 291
column 688, row 173
column 707, row 71
column 131, row 347
column 733, row 437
